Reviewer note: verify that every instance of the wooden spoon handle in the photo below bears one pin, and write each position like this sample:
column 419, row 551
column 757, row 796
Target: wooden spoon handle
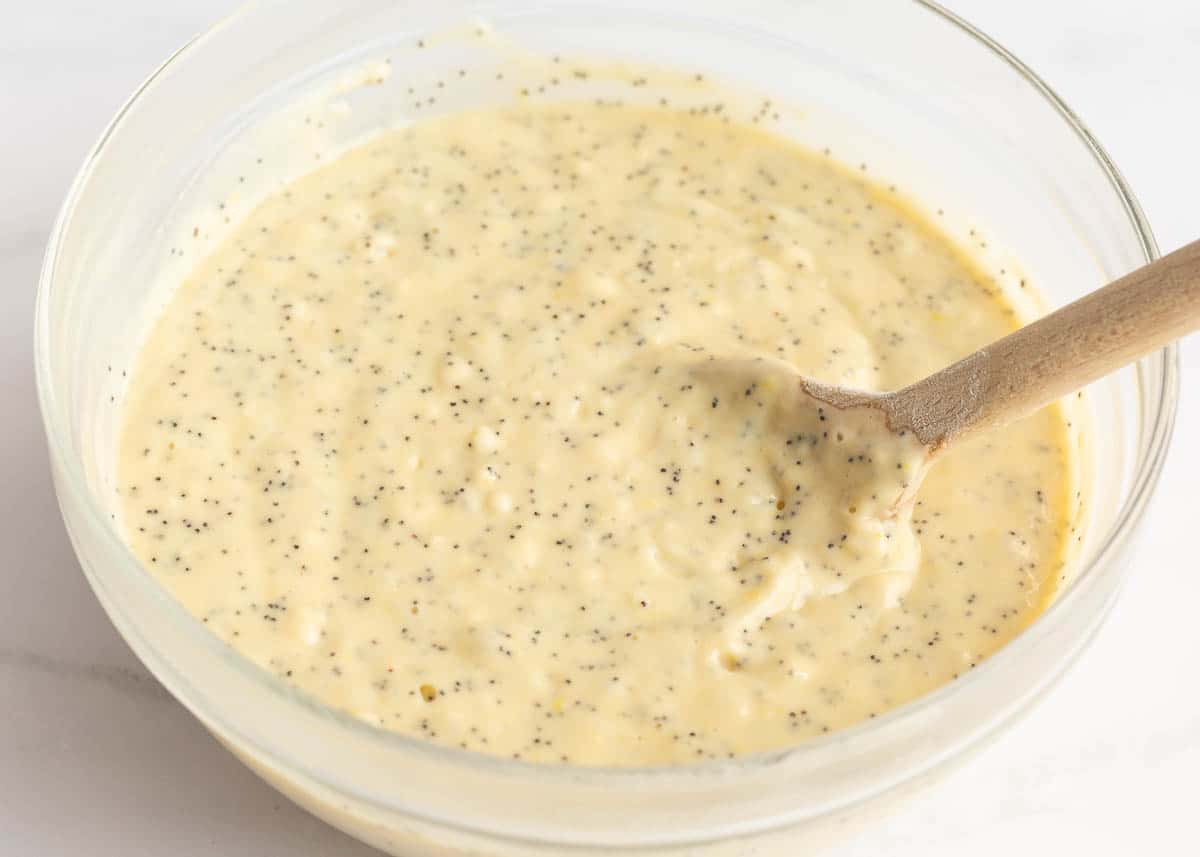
column 1055, row 355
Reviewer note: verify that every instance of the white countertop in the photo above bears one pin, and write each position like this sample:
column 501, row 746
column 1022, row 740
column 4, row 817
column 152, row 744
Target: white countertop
column 96, row 759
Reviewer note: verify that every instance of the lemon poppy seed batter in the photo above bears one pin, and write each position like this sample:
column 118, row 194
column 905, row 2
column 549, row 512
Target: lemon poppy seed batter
column 485, row 433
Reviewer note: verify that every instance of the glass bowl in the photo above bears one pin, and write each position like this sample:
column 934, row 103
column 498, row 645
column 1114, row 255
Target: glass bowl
column 905, row 90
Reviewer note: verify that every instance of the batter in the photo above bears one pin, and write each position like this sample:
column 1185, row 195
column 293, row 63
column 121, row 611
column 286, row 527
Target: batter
column 487, row 433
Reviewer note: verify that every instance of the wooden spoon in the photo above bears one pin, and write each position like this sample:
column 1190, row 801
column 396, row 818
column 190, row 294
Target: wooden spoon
column 1043, row 361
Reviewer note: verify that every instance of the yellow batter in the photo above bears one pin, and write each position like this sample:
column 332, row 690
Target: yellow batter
column 486, row 433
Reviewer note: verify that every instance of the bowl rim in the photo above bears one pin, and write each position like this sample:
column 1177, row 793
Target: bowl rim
column 1153, row 439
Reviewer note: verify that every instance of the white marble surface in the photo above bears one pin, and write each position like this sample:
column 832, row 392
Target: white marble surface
column 96, row 759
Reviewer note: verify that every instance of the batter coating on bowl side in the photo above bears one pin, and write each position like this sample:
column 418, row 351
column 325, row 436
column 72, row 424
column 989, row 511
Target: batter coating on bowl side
column 482, row 433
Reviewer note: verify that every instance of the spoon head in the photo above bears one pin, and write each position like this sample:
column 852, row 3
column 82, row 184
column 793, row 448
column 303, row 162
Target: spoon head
column 899, row 458
column 840, row 481
column 853, row 446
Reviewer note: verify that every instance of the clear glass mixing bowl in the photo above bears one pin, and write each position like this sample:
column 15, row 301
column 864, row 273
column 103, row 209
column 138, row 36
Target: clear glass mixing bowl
column 905, row 89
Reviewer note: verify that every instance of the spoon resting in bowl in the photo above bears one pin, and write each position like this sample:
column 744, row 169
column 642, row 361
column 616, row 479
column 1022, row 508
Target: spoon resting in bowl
column 847, row 464
column 1030, row 368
